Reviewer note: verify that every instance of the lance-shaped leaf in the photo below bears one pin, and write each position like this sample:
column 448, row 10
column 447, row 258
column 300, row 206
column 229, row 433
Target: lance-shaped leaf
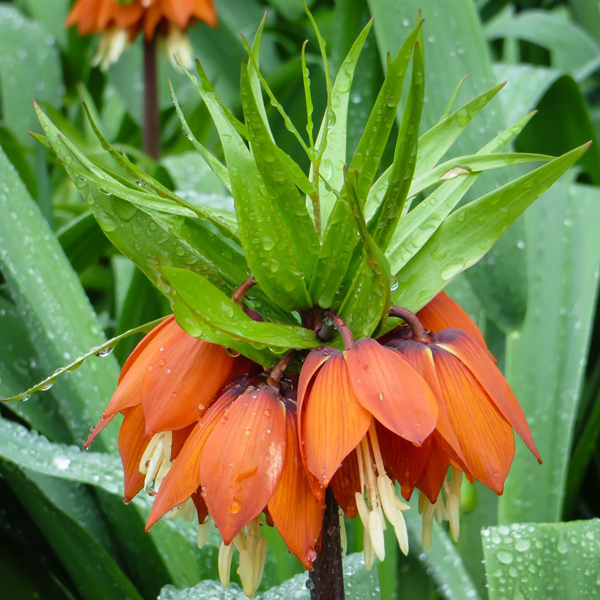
column 388, row 214
column 331, row 141
column 221, row 314
column 434, row 143
column 101, row 351
column 266, row 240
column 469, row 233
column 367, row 301
column 275, row 172
column 421, row 223
column 341, row 237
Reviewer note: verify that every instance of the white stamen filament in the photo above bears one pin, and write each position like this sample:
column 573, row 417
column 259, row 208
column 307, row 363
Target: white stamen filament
column 177, row 46
column 203, row 529
column 112, row 44
column 253, row 551
column 156, row 461
column 368, row 552
column 453, row 498
column 186, row 510
column 427, row 511
column 225, row 556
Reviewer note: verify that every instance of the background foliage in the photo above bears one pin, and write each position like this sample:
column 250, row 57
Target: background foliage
column 64, row 532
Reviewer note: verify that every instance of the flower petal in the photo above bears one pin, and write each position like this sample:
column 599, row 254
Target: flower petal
column 391, row 390
column 403, row 461
column 243, row 460
column 293, row 508
column 345, row 483
column 443, row 312
column 333, row 421
column 491, row 379
column 420, row 357
column 486, row 438
column 184, row 477
column 181, row 379
column 436, row 468
column 311, row 365
column 132, row 445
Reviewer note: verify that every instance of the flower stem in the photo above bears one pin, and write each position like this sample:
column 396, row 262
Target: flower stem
column 279, row 369
column 239, row 294
column 418, row 331
column 151, row 110
column 326, row 580
column 344, row 330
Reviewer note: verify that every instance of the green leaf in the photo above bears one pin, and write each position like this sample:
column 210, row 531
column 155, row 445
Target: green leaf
column 384, row 222
column 341, row 237
column 331, row 141
column 469, row 233
column 370, row 148
column 367, row 302
column 101, row 351
column 435, row 142
column 228, row 320
column 29, row 68
column 545, row 360
column 571, row 48
column 421, row 222
column 59, row 318
column 551, row 560
column 291, row 206
column 442, row 560
column 455, row 47
column 358, row 582
column 93, row 570
column 267, row 243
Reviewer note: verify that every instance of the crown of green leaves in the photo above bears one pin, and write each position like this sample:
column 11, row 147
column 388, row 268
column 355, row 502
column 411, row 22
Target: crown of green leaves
column 352, row 235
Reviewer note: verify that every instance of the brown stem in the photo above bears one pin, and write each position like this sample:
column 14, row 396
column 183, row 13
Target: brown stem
column 151, row 110
column 279, row 369
column 326, row 580
column 344, row 330
column 418, row 331
column 239, row 294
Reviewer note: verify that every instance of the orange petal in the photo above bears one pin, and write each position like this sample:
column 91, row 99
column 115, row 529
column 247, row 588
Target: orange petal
column 182, row 376
column 403, row 461
column 391, row 390
column 243, row 459
column 486, row 438
column 200, row 505
column 443, row 312
column 293, row 508
column 184, row 477
column 132, row 445
column 102, row 423
column 420, row 357
column 491, row 379
column 345, row 483
column 433, row 475
column 180, row 436
column 333, row 421
column 311, row 365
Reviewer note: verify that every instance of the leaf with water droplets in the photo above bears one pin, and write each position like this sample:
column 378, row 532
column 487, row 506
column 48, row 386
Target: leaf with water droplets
column 101, row 351
column 550, row 560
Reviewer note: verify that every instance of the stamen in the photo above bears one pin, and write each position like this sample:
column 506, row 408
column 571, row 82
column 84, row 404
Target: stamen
column 343, row 534
column 361, row 468
column 155, row 462
column 376, row 449
column 203, row 530
column 368, row 552
column 401, row 532
column 453, row 502
column 225, row 556
column 252, row 549
column 376, row 534
column 427, row 527
column 363, row 511
column 186, row 510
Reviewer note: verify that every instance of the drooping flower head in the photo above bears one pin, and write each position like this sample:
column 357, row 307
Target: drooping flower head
column 120, row 21
column 477, row 414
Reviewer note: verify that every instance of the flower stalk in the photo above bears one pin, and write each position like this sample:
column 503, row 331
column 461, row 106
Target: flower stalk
column 151, row 109
column 326, row 580
column 418, row 331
